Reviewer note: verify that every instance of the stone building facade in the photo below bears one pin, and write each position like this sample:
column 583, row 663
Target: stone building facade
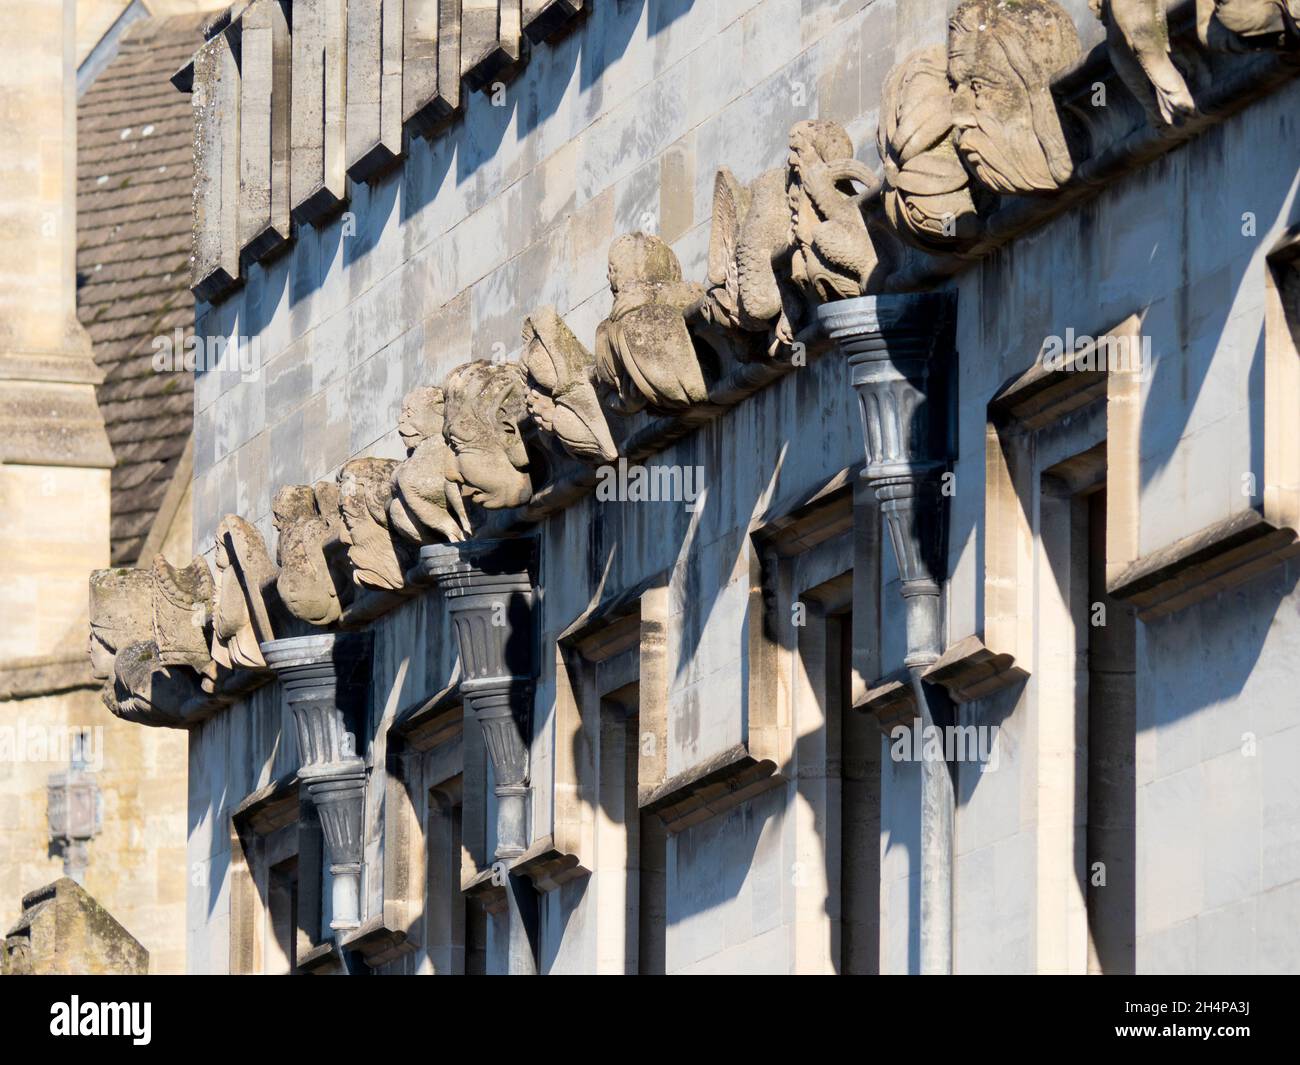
column 733, row 486
column 94, row 466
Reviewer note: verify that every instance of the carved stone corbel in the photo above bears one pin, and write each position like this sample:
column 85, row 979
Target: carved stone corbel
column 489, row 592
column 892, row 345
column 486, row 412
column 561, row 388
column 426, row 505
column 326, row 683
column 1137, row 37
column 644, row 353
column 313, row 581
column 241, row 619
column 1236, row 25
column 365, row 492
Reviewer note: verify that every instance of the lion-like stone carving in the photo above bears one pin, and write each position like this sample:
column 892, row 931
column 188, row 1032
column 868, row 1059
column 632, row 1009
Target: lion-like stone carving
column 834, row 256
column 1137, row 36
column 426, row 504
column 486, row 408
column 644, row 353
column 365, row 492
column 1233, row 25
column 927, row 196
column 561, row 388
column 311, row 551
column 241, row 619
column 750, row 231
column 1001, row 59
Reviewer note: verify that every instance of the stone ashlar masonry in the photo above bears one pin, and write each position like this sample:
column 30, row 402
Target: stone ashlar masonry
column 500, row 446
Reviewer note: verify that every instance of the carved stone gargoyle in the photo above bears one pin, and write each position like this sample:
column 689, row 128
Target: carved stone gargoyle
column 1236, row 25
column 834, row 255
column 927, row 195
column 1137, row 37
column 148, row 639
column 486, row 410
column 365, row 493
column 241, row 619
column 644, row 353
column 750, row 233
column 1001, row 60
column 313, row 581
column 561, row 388
column 426, row 506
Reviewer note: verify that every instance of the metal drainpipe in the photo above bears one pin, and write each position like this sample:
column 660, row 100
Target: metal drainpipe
column 490, row 601
column 890, row 343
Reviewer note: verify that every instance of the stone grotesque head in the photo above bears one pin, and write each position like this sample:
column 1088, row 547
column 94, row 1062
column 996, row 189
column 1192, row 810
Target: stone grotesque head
column 182, row 613
column 365, row 492
column 426, row 506
column 311, row 581
column 1002, row 55
column 644, row 353
column 927, row 189
column 241, row 620
column 121, row 613
column 486, row 409
column 834, row 256
column 561, row 395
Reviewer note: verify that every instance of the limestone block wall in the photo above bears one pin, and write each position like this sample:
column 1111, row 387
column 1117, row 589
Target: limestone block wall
column 620, row 126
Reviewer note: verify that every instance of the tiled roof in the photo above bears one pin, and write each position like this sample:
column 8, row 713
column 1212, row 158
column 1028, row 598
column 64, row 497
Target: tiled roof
column 135, row 166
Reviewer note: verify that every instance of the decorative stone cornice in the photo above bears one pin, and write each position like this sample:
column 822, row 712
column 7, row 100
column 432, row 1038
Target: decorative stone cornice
column 325, row 680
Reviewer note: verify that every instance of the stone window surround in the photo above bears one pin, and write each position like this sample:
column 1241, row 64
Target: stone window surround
column 274, row 824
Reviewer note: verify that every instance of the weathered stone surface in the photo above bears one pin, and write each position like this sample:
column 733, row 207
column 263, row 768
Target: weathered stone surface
column 486, row 407
column 63, row 931
column 264, row 117
column 1273, row 23
column 1137, row 33
column 365, row 493
column 313, row 581
column 426, row 499
column 749, row 245
column 927, row 195
column 318, row 180
column 561, row 388
column 492, row 43
column 1001, row 58
column 644, row 354
column 216, row 100
column 834, row 256
column 240, row 615
column 430, row 63
column 375, row 37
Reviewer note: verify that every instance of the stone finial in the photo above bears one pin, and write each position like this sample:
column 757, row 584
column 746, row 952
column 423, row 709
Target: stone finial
column 1234, row 25
column 1137, row 36
column 63, row 931
column 1001, row 59
column 927, row 195
column 365, row 493
column 561, row 390
column 486, row 408
column 313, row 582
column 834, row 257
column 240, row 615
column 750, row 230
column 426, row 501
column 644, row 353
